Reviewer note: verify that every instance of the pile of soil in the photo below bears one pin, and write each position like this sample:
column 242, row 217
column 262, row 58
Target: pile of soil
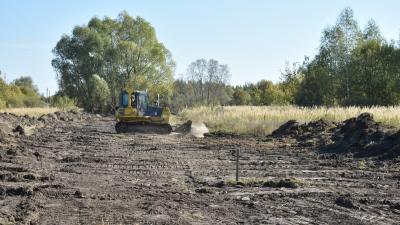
column 11, row 120
column 183, row 128
column 361, row 136
column 12, row 124
column 71, row 115
column 364, row 137
column 307, row 134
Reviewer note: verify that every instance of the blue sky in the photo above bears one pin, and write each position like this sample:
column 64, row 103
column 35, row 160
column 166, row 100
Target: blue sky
column 255, row 38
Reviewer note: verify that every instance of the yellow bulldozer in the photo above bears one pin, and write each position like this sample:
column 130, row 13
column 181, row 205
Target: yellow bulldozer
column 135, row 114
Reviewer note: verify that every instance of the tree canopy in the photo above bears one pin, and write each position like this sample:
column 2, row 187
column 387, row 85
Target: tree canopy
column 124, row 52
column 352, row 67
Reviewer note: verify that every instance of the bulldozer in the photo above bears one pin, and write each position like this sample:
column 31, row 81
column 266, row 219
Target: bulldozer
column 135, row 114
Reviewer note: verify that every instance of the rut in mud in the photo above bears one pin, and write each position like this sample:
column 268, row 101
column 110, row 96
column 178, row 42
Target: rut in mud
column 79, row 171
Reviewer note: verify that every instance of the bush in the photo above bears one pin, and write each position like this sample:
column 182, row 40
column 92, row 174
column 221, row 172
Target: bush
column 63, row 102
column 2, row 104
column 32, row 101
column 20, row 93
column 286, row 183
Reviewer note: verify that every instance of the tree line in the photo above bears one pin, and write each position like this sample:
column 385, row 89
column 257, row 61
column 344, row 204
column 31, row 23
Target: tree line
column 353, row 66
column 105, row 56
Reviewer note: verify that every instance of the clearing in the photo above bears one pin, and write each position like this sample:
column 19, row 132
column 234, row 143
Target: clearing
column 72, row 168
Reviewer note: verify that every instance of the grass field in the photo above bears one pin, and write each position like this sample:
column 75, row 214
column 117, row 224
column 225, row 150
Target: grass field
column 30, row 111
column 265, row 119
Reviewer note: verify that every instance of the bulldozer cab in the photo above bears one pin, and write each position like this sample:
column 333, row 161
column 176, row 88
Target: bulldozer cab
column 142, row 103
column 136, row 103
column 135, row 100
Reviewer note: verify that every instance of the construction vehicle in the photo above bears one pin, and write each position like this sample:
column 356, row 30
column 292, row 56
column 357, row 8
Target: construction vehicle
column 135, row 114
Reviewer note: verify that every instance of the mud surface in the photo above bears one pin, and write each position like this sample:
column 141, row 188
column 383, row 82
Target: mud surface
column 77, row 170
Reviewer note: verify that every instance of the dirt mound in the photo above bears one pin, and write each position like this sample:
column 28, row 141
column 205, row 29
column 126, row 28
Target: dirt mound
column 184, row 128
column 10, row 120
column 314, row 133
column 12, row 125
column 364, row 137
column 290, row 128
column 295, row 129
column 71, row 115
column 388, row 149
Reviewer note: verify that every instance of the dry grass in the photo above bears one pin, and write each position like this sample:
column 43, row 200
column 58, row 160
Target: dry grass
column 265, row 119
column 30, row 111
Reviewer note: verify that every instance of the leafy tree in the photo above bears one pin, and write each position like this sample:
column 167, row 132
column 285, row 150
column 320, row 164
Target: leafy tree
column 372, row 31
column 125, row 52
column 290, row 82
column 99, row 94
column 241, row 97
column 337, row 42
column 314, row 88
column 375, row 68
column 26, row 82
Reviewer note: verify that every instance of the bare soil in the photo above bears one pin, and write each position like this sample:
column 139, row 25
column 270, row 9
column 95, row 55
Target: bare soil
column 72, row 168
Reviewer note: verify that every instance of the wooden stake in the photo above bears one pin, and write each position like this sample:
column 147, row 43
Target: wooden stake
column 237, row 164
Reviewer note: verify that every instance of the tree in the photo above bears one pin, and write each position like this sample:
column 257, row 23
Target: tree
column 316, row 86
column 290, row 81
column 25, row 82
column 351, row 67
column 209, row 79
column 99, row 94
column 241, row 97
column 374, row 67
column 196, row 73
column 372, row 31
column 124, row 52
column 337, row 42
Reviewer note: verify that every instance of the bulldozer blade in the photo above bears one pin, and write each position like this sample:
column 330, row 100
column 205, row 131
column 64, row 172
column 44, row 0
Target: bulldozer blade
column 143, row 128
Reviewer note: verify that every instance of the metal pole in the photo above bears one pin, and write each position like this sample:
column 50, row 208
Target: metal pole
column 237, row 164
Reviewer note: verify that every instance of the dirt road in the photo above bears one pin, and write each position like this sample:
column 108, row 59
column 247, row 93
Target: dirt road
column 82, row 172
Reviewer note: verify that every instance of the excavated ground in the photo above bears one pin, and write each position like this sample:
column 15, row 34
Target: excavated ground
column 79, row 171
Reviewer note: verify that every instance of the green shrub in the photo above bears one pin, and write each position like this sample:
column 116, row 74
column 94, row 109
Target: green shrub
column 63, row 102
column 32, row 101
column 287, row 183
column 2, row 104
